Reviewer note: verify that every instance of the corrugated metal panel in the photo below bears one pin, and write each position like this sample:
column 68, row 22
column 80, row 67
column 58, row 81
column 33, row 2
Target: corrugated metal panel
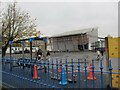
column 74, row 32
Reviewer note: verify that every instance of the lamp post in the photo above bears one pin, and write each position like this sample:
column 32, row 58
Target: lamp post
column 31, row 39
column 45, row 41
column 10, row 44
column 23, row 52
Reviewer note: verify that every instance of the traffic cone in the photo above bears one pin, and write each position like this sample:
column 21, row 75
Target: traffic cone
column 35, row 72
column 75, row 79
column 59, row 70
column 63, row 80
column 90, row 77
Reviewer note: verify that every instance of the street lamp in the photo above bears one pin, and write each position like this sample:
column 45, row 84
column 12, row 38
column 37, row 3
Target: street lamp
column 10, row 43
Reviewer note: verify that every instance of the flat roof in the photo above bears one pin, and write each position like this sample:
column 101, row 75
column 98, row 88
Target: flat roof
column 75, row 32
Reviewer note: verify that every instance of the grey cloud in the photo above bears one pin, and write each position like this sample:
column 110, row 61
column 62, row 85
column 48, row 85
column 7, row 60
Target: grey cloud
column 54, row 18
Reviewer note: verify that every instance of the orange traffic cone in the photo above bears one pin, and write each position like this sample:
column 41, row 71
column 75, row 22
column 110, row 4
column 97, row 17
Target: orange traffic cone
column 90, row 77
column 35, row 73
column 59, row 70
column 75, row 79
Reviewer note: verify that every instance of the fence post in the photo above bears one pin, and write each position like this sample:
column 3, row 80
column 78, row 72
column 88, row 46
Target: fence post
column 41, row 72
column 93, row 73
column 45, row 73
column 4, row 62
column 66, row 65
column 45, row 69
column 72, row 65
column 110, row 69
column 32, row 68
column 48, row 73
column 10, row 45
column 23, row 63
column 101, row 69
column 61, row 67
column 57, row 67
column 52, row 73
column 85, row 66
column 79, row 73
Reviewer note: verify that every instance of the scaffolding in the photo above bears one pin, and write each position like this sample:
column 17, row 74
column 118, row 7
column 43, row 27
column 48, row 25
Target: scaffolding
column 69, row 42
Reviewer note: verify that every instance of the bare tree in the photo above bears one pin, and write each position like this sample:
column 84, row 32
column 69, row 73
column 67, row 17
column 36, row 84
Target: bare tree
column 15, row 24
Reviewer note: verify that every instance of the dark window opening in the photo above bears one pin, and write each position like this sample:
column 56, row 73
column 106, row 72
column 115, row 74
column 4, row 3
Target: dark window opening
column 80, row 47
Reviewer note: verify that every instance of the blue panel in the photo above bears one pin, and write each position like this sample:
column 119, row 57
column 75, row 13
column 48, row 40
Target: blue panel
column 10, row 42
column 45, row 40
column 31, row 39
column 22, row 42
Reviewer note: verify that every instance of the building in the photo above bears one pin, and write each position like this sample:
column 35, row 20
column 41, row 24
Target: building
column 78, row 40
column 98, row 45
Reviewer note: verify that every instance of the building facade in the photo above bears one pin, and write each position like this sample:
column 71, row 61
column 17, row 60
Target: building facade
column 73, row 41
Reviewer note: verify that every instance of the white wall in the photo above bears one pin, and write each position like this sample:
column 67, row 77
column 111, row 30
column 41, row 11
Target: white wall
column 63, row 45
column 93, row 37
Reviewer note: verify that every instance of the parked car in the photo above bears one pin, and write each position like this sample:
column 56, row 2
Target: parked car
column 20, row 52
column 16, row 52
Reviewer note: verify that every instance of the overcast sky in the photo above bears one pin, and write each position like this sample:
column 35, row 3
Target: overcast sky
column 57, row 17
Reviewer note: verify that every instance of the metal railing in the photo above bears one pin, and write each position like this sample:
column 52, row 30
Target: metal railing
column 52, row 72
